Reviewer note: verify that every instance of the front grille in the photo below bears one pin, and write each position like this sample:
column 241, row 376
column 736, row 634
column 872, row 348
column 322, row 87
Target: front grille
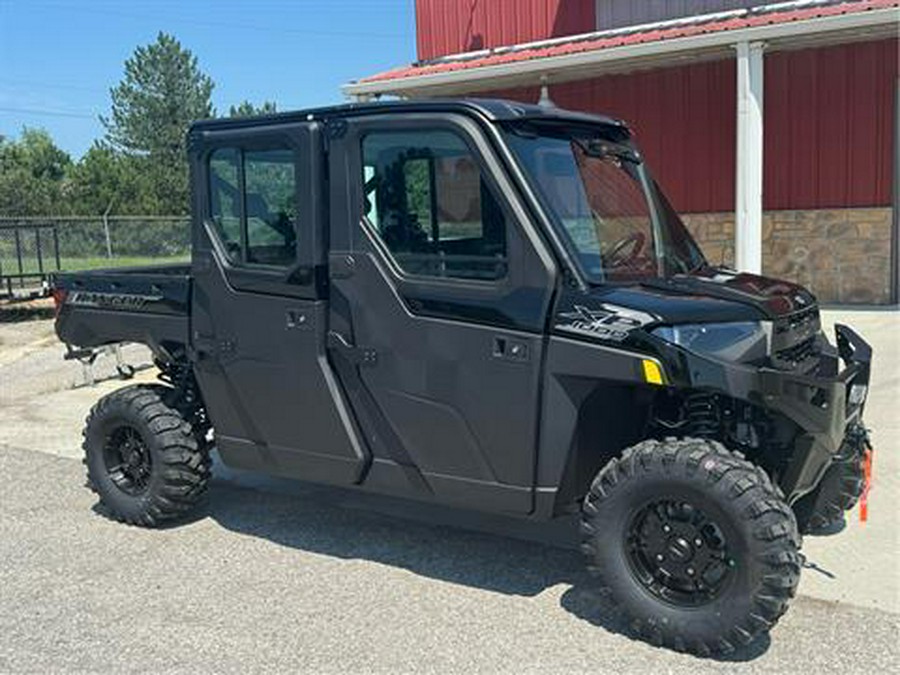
column 798, row 353
column 798, row 321
column 795, row 340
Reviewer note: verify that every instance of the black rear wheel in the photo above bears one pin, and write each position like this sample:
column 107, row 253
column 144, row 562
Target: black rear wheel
column 143, row 457
column 127, row 460
column 695, row 545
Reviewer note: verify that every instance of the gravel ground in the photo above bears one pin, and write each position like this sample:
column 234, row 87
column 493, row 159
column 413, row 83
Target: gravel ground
column 266, row 581
column 279, row 575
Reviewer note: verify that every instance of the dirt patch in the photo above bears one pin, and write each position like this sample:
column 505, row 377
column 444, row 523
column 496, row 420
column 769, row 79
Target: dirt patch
column 20, row 338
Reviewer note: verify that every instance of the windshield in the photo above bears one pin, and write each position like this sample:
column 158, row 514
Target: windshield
column 613, row 218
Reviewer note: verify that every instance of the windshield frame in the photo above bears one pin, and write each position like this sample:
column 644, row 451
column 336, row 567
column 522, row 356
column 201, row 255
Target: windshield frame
column 666, row 226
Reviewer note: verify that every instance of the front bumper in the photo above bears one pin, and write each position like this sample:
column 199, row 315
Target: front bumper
column 824, row 404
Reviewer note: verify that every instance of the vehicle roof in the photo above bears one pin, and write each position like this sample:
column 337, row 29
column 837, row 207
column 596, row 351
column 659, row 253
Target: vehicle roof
column 493, row 110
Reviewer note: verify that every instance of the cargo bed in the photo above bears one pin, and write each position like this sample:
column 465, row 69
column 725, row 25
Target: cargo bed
column 149, row 304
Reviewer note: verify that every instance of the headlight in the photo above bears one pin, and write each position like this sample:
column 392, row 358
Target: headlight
column 739, row 341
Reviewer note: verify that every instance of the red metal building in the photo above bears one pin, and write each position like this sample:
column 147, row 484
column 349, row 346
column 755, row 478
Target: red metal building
column 772, row 127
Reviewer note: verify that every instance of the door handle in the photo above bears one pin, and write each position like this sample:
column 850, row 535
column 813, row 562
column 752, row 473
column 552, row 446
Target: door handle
column 510, row 350
column 296, row 318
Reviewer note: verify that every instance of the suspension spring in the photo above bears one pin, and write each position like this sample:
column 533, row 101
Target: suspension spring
column 702, row 415
column 178, row 374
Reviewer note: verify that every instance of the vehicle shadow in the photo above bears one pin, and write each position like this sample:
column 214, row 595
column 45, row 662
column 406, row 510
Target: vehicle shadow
column 439, row 543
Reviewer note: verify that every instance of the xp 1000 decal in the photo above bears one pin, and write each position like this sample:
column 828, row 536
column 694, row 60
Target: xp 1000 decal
column 608, row 322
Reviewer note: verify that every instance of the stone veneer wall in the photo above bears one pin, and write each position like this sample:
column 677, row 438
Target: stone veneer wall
column 842, row 255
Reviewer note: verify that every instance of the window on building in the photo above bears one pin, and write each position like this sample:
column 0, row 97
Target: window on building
column 264, row 234
column 426, row 198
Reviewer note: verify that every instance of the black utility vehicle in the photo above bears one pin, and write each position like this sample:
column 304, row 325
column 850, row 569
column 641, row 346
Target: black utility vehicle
column 487, row 304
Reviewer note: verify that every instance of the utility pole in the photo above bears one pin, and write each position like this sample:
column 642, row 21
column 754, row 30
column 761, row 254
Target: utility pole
column 106, row 228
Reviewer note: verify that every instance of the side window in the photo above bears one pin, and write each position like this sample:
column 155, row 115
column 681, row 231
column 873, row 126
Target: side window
column 271, row 206
column 264, row 233
column 225, row 200
column 430, row 205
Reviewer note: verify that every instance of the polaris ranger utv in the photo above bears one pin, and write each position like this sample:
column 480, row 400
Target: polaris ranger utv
column 492, row 305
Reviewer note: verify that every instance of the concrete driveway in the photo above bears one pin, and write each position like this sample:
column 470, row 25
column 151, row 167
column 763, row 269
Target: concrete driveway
column 279, row 575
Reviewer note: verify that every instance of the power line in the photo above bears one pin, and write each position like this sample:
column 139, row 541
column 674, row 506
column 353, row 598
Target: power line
column 227, row 24
column 49, row 113
column 52, row 85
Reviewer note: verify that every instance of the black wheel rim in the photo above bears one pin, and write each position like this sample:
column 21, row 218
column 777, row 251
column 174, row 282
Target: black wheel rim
column 127, row 459
column 678, row 553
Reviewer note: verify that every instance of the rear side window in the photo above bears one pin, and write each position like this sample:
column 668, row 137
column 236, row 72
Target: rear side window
column 253, row 204
column 426, row 198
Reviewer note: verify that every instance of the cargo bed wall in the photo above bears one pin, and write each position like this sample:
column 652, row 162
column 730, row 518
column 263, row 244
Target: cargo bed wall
column 149, row 305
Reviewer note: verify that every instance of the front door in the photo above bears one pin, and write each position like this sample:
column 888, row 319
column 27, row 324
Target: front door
column 258, row 312
column 439, row 294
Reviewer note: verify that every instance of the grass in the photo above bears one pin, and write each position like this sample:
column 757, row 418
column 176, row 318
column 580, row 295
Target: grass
column 30, row 266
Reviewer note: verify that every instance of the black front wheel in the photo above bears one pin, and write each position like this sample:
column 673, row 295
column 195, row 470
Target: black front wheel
column 694, row 543
column 143, row 458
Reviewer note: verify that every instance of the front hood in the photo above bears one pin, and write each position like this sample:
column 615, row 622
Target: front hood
column 773, row 298
column 710, row 296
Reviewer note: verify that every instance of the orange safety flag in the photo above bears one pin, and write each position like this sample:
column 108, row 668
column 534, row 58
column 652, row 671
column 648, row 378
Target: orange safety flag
column 867, row 484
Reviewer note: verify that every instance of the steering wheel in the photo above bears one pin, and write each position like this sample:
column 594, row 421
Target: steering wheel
column 617, row 256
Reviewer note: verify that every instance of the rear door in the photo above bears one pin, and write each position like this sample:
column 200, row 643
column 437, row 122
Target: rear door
column 258, row 309
column 439, row 295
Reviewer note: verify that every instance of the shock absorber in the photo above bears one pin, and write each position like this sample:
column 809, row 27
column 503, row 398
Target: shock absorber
column 702, row 415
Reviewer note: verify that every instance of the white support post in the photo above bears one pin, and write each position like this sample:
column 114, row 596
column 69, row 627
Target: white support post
column 749, row 169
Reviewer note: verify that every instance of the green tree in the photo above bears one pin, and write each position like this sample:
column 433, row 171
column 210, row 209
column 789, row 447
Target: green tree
column 246, row 109
column 162, row 92
column 107, row 181
column 32, row 175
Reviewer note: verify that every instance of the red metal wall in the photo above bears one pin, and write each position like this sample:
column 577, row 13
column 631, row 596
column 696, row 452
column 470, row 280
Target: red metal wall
column 452, row 26
column 829, row 126
column 684, row 119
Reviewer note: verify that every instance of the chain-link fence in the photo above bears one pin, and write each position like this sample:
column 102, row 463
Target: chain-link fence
column 31, row 248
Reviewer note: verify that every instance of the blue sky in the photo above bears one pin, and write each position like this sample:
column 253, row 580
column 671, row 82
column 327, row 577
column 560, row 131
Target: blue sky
column 58, row 58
